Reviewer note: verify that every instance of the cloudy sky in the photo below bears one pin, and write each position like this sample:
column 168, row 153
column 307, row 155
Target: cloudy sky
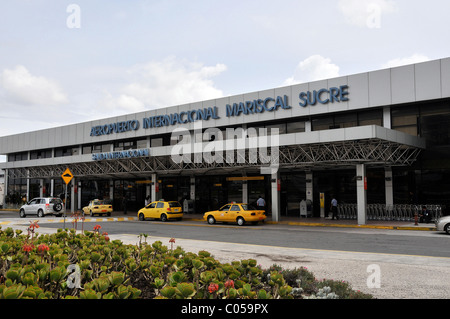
column 64, row 62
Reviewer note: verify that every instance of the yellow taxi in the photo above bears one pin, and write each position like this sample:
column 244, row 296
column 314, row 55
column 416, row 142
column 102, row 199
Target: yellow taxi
column 98, row 207
column 161, row 210
column 235, row 212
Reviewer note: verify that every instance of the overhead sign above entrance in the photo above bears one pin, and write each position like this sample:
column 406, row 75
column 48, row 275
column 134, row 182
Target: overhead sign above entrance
column 120, row 154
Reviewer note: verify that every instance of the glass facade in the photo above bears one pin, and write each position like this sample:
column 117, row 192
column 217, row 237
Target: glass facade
column 427, row 181
column 347, row 119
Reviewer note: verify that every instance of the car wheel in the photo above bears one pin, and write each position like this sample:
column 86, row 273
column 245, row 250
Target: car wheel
column 141, row 217
column 211, row 220
column 447, row 229
column 57, row 207
column 163, row 217
column 240, row 221
column 40, row 213
column 22, row 213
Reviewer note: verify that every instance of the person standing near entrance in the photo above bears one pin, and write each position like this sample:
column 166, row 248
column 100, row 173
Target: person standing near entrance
column 260, row 203
column 333, row 207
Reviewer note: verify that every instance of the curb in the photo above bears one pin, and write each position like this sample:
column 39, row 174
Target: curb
column 69, row 220
column 431, row 228
column 426, row 228
column 92, row 219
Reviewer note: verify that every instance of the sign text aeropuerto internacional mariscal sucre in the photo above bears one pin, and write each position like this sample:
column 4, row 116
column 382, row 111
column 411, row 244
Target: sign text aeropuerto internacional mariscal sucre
column 269, row 104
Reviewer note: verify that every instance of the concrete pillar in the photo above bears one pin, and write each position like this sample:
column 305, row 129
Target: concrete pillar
column 192, row 188
column 388, row 185
column 28, row 186
column 79, row 196
column 309, row 186
column 41, row 188
column 52, row 187
column 6, row 187
column 72, row 195
column 111, row 189
column 275, row 197
column 154, row 182
column 361, row 193
column 245, row 191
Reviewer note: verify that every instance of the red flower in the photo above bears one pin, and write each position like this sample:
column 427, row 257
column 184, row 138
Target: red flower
column 229, row 283
column 43, row 247
column 34, row 225
column 105, row 234
column 213, row 288
column 172, row 240
column 27, row 247
column 97, row 228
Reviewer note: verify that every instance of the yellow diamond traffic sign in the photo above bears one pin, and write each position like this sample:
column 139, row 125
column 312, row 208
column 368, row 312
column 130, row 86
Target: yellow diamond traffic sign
column 67, row 176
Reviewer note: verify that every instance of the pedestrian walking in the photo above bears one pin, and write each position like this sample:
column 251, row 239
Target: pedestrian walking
column 333, row 208
column 260, row 203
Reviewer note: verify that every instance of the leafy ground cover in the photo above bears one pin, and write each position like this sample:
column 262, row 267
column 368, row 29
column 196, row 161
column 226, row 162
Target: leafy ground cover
column 88, row 265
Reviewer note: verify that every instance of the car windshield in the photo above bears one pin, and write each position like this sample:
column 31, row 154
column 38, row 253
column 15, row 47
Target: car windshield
column 55, row 200
column 248, row 207
column 174, row 204
column 97, row 202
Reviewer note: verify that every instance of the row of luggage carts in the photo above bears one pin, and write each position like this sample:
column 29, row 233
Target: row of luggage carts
column 398, row 212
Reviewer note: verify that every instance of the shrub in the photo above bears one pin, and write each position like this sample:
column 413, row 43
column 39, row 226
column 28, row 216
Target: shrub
column 90, row 266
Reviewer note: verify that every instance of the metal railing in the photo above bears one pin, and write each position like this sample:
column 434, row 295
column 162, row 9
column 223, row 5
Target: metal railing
column 396, row 212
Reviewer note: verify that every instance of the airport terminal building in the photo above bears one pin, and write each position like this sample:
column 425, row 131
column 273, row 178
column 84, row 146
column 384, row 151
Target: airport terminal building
column 380, row 137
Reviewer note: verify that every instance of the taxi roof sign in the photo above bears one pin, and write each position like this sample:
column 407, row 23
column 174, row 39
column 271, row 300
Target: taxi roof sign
column 67, row 176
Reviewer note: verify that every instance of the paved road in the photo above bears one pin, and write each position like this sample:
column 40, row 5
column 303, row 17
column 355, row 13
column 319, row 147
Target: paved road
column 421, row 243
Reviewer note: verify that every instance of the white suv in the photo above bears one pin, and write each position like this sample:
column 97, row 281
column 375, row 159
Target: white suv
column 42, row 206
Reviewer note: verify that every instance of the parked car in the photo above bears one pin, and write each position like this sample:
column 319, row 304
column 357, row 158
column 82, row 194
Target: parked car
column 239, row 213
column 98, row 207
column 443, row 224
column 161, row 210
column 42, row 206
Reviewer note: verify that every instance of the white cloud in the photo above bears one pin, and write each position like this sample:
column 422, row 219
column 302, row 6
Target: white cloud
column 415, row 58
column 165, row 83
column 30, row 102
column 366, row 13
column 22, row 87
column 314, row 68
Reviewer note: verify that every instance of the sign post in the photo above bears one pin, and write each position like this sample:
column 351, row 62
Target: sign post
column 322, row 204
column 67, row 177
